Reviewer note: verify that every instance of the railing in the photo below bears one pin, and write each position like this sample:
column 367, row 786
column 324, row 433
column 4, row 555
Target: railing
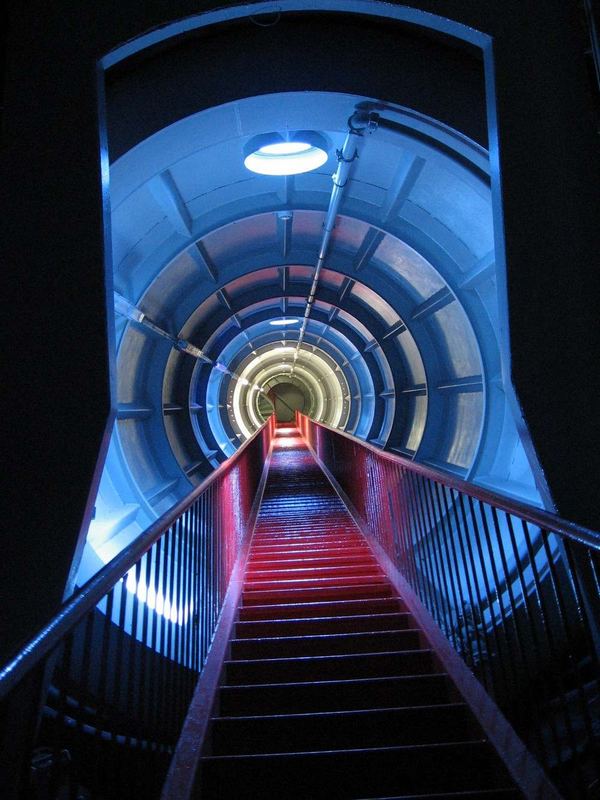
column 516, row 590
column 117, row 666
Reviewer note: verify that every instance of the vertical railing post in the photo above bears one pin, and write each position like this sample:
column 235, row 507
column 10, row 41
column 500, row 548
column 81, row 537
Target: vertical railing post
column 514, row 588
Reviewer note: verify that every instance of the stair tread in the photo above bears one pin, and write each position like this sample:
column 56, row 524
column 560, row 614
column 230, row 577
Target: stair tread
column 402, row 614
column 334, row 656
column 349, row 750
column 338, row 681
column 325, row 636
column 317, row 582
column 329, row 688
column 325, row 605
column 345, row 712
column 341, row 569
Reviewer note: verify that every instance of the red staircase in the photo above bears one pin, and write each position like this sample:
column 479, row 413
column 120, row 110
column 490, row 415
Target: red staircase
column 329, row 690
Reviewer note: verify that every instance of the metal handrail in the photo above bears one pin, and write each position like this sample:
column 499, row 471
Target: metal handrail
column 537, row 516
column 90, row 594
column 514, row 589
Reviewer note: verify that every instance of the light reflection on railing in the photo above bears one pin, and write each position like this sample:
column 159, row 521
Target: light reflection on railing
column 118, row 664
column 515, row 589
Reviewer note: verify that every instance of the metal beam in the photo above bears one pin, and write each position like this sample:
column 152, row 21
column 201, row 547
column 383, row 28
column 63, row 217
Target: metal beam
column 198, row 252
column 418, row 390
column 333, row 314
column 484, row 269
column 347, row 286
column 369, row 245
column 407, row 174
column 172, row 408
column 161, row 490
column 470, row 383
column 167, row 195
column 196, row 465
column 434, row 303
column 284, row 227
column 223, row 299
column 134, row 411
column 284, row 274
column 395, row 330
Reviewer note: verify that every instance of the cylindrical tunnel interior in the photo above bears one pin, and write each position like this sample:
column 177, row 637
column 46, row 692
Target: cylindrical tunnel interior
column 214, row 266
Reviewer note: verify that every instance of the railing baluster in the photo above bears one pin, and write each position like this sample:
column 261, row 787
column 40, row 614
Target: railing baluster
column 533, row 617
column 431, row 541
column 521, row 608
column 450, row 547
column 548, row 622
column 445, row 537
column 487, row 664
column 520, row 636
column 425, row 568
column 450, row 544
column 496, row 597
column 477, row 654
column 570, row 651
column 494, row 625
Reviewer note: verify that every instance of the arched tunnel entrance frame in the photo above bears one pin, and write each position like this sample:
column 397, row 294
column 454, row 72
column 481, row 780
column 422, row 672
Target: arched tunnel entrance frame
column 350, row 7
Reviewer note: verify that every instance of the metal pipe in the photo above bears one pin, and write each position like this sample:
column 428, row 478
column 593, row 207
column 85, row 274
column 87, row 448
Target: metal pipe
column 359, row 123
column 131, row 312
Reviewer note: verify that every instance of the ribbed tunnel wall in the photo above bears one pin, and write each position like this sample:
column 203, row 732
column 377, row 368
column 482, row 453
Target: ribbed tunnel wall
column 404, row 347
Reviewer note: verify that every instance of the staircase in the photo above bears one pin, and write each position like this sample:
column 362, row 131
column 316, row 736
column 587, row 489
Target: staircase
column 329, row 690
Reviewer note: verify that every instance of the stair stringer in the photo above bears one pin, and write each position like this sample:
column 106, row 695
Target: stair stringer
column 520, row 763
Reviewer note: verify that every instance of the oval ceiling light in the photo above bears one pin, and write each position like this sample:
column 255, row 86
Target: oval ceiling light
column 272, row 154
column 283, row 321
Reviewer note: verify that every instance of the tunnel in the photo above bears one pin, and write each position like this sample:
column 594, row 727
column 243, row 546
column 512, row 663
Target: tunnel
column 223, row 307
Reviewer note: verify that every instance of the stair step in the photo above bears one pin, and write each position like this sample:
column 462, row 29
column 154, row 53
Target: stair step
column 330, row 608
column 329, row 548
column 328, row 691
column 327, row 536
column 313, row 626
column 319, row 668
column 317, row 582
column 456, row 766
column 325, row 644
column 335, row 695
column 308, row 563
column 310, row 594
column 341, row 729
column 284, row 571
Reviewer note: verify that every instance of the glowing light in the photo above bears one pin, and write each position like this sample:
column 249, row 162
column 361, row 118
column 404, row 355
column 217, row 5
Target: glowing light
column 178, row 614
column 271, row 154
column 289, row 321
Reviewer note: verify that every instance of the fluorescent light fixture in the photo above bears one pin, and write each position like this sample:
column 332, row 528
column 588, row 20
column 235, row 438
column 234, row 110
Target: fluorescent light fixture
column 272, row 154
column 288, row 321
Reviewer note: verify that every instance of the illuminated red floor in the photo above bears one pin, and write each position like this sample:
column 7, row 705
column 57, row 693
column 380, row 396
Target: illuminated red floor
column 329, row 690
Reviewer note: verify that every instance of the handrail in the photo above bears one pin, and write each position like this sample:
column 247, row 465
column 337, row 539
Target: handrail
column 537, row 516
column 88, row 596
column 514, row 589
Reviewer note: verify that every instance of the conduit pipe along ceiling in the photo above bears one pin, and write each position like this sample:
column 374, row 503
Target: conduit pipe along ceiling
column 372, row 301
